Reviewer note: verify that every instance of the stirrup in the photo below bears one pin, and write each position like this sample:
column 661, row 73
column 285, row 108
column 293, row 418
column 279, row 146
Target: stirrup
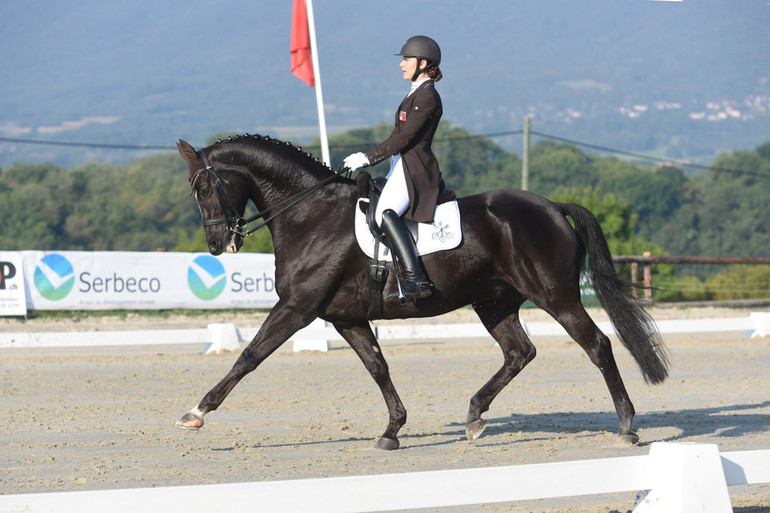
column 412, row 289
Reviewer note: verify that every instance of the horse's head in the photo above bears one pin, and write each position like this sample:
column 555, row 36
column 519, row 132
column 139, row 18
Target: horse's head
column 221, row 206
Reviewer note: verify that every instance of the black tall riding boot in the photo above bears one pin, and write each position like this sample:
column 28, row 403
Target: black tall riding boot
column 416, row 284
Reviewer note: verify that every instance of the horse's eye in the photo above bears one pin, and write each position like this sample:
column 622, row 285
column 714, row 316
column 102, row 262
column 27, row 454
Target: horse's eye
column 205, row 192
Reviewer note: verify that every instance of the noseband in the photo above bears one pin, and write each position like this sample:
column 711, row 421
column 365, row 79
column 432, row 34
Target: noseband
column 234, row 221
column 230, row 215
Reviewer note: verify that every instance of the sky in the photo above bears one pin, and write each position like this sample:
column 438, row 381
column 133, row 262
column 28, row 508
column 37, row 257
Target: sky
column 191, row 66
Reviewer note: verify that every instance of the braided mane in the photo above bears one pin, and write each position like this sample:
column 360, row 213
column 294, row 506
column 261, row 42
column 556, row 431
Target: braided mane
column 283, row 146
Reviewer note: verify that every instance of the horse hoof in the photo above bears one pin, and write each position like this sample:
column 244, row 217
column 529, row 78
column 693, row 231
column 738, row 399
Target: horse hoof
column 387, row 444
column 474, row 429
column 190, row 421
column 630, row 438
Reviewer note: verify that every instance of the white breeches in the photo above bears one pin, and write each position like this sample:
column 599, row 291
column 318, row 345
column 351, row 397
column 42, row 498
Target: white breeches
column 395, row 195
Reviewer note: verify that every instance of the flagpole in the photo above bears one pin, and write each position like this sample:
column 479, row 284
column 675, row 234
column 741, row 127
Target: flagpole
column 318, row 93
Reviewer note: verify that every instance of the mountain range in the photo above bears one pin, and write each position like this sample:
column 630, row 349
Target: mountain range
column 678, row 79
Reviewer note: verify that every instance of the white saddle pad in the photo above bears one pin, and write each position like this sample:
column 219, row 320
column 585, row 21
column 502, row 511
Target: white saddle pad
column 442, row 234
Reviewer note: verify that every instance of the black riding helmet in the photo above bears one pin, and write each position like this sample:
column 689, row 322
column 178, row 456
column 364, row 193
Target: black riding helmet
column 424, row 48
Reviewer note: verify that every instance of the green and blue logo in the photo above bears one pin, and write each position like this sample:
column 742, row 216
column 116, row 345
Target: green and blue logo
column 54, row 277
column 206, row 277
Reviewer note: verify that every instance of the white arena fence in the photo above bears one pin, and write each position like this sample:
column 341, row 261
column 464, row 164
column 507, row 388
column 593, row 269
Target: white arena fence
column 673, row 477
column 317, row 336
column 114, row 280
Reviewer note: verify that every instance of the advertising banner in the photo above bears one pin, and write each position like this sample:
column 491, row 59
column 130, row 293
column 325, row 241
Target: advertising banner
column 114, row 280
column 12, row 297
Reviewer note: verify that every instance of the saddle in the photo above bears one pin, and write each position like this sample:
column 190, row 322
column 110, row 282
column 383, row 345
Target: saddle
column 443, row 234
column 370, row 189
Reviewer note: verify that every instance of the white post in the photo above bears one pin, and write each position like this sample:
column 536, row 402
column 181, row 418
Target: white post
column 689, row 478
column 316, row 342
column 316, row 345
column 317, row 74
column 223, row 337
column 761, row 321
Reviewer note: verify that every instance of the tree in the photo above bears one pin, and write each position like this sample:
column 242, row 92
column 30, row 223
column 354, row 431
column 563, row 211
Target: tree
column 471, row 164
column 32, row 206
column 723, row 213
column 653, row 195
column 556, row 167
column 146, row 205
column 615, row 218
column 736, row 220
column 96, row 206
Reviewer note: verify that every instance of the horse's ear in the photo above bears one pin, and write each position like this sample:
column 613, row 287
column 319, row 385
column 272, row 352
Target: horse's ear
column 187, row 151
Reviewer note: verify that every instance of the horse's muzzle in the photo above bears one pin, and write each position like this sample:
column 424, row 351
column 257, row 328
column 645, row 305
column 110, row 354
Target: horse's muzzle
column 234, row 244
column 230, row 243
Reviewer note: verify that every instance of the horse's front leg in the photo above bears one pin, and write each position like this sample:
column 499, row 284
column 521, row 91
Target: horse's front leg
column 364, row 343
column 282, row 323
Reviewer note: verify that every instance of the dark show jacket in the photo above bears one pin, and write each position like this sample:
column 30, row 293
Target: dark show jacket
column 417, row 119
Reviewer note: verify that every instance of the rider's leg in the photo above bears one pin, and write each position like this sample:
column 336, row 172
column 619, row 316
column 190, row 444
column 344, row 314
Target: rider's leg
column 395, row 195
column 416, row 284
column 393, row 202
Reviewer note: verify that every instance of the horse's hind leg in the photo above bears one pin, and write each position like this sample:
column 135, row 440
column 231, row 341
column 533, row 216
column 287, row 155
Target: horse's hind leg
column 584, row 331
column 501, row 318
column 364, row 343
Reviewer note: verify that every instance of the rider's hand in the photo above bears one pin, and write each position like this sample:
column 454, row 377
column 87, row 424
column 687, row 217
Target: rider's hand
column 355, row 160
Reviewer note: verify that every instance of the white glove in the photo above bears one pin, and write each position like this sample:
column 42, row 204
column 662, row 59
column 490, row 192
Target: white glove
column 355, row 160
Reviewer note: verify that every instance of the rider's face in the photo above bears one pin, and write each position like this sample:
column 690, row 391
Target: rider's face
column 408, row 66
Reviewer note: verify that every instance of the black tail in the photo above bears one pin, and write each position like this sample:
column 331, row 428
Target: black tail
column 632, row 323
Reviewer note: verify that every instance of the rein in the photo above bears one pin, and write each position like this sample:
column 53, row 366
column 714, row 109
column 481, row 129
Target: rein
column 236, row 223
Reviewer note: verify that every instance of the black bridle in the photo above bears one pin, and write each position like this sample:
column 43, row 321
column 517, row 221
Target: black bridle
column 230, row 216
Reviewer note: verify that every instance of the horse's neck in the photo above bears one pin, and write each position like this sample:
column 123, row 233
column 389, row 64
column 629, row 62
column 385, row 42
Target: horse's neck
column 299, row 195
column 280, row 176
column 275, row 180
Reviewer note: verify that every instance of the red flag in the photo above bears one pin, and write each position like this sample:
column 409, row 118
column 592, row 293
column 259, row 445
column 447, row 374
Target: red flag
column 301, row 62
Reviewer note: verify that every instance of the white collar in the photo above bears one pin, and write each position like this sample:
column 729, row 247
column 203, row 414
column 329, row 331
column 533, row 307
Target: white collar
column 416, row 84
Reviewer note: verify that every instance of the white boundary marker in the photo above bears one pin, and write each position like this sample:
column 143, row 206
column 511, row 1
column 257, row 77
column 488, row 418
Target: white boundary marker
column 682, row 477
column 223, row 337
column 316, row 336
column 761, row 323
column 308, row 343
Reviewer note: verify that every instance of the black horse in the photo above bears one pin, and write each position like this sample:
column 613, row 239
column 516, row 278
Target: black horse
column 516, row 246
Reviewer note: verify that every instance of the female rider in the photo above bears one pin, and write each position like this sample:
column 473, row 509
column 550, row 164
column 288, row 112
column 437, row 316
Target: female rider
column 414, row 181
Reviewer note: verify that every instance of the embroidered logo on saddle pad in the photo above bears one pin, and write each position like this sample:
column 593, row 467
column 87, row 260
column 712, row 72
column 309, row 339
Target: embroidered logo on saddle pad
column 442, row 234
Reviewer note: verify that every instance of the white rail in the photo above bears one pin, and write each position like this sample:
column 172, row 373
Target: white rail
column 317, row 335
column 682, row 477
